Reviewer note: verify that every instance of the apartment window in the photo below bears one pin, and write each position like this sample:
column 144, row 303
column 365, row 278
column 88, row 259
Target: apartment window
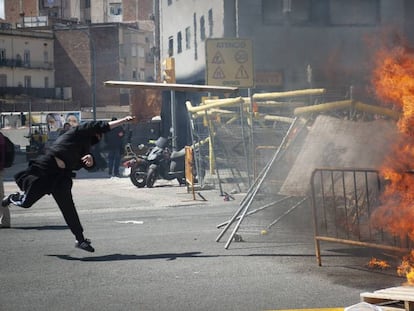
column 277, row 11
column 87, row 4
column 210, row 23
column 170, row 46
column 141, row 51
column 169, row 2
column 273, row 11
column 179, row 42
column 50, row 3
column 188, row 38
column 354, row 12
column 46, row 82
column 142, row 74
column 2, row 55
column 3, row 80
column 27, row 82
column 202, row 28
column 319, row 12
column 134, row 74
column 45, row 56
column 115, row 9
column 26, row 57
column 134, row 50
column 296, row 12
column 195, row 35
column 18, row 60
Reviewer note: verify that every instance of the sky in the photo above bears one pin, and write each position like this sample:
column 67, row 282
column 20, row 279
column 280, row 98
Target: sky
column 2, row 15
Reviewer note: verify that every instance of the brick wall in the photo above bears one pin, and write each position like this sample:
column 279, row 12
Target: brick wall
column 73, row 64
column 13, row 8
column 145, row 9
column 130, row 10
column 107, row 64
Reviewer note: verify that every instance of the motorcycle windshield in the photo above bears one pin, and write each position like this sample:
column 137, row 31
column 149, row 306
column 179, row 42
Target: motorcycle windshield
column 155, row 152
column 161, row 142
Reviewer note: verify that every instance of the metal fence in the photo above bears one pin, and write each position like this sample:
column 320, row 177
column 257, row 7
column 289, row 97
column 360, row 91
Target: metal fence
column 236, row 137
column 342, row 202
column 272, row 144
column 263, row 198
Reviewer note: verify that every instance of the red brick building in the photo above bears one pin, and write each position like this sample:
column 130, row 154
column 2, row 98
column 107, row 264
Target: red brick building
column 79, row 51
column 15, row 11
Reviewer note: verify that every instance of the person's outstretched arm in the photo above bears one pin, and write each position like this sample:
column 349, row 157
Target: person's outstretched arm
column 118, row 122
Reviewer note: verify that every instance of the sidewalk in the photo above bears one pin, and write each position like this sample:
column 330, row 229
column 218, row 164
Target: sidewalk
column 171, row 194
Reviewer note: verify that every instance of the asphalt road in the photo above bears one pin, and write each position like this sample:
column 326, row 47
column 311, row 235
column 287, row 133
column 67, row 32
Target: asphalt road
column 156, row 250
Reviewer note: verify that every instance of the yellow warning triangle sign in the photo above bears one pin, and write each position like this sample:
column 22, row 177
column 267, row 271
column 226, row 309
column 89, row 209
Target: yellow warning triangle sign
column 219, row 73
column 218, row 59
column 242, row 73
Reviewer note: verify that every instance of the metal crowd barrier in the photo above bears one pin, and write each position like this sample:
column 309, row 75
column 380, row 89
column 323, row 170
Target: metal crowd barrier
column 343, row 201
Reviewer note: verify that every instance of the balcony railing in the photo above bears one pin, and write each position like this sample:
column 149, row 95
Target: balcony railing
column 11, row 62
column 33, row 92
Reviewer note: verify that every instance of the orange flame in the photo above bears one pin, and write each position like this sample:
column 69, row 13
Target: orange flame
column 406, row 268
column 375, row 263
column 394, row 84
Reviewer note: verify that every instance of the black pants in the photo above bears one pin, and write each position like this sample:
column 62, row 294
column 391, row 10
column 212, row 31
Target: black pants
column 114, row 160
column 43, row 178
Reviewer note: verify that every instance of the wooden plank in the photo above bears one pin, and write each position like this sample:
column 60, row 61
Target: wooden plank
column 171, row 86
column 396, row 294
column 405, row 293
column 318, row 309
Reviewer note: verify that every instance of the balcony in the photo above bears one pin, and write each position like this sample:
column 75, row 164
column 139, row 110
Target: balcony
column 32, row 92
column 18, row 63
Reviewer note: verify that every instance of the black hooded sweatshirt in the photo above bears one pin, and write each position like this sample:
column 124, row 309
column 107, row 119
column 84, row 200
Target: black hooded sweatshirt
column 71, row 146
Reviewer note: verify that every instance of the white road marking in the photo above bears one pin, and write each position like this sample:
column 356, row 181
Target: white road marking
column 134, row 222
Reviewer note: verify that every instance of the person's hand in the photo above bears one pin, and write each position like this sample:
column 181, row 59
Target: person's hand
column 116, row 123
column 129, row 118
column 87, row 160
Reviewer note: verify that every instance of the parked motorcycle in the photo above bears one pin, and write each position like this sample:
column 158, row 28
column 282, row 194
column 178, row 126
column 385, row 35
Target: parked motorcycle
column 158, row 163
column 137, row 163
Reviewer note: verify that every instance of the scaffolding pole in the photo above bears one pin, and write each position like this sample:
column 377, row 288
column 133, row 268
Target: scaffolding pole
column 245, row 205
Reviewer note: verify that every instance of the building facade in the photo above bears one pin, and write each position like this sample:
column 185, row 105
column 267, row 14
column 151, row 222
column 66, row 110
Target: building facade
column 26, row 59
column 16, row 11
column 96, row 11
column 27, row 71
column 91, row 42
column 296, row 43
column 88, row 56
column 38, row 12
column 183, row 28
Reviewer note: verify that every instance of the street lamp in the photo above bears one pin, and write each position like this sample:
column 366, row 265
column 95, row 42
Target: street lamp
column 93, row 69
column 93, row 72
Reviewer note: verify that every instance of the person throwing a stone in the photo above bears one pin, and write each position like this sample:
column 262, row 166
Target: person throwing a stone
column 51, row 173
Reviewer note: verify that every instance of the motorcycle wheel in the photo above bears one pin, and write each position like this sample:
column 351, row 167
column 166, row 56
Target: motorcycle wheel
column 151, row 177
column 138, row 178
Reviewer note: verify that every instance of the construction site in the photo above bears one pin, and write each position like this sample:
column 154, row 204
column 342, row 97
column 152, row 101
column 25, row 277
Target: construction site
column 290, row 152
column 345, row 165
